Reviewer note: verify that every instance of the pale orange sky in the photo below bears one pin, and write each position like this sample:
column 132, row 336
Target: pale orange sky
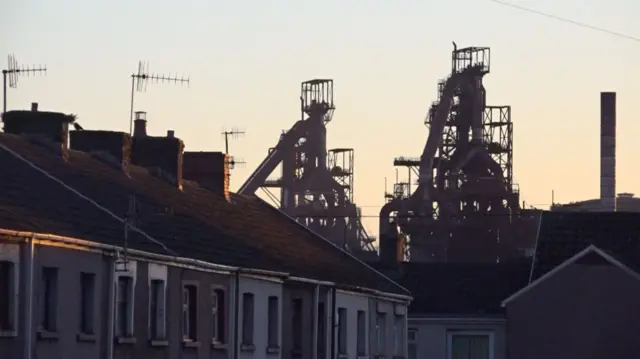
column 247, row 59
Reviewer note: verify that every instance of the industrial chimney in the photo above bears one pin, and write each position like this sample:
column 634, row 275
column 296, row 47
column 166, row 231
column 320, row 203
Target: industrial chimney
column 608, row 151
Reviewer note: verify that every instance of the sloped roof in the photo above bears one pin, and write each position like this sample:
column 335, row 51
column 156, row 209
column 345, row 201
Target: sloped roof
column 591, row 255
column 460, row 288
column 194, row 222
column 564, row 234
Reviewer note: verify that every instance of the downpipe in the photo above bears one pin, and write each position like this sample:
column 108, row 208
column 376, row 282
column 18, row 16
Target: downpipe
column 111, row 306
column 27, row 300
column 316, row 319
column 334, row 347
column 236, row 314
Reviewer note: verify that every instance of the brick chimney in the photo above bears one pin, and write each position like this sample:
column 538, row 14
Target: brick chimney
column 209, row 169
column 140, row 124
column 50, row 128
column 110, row 146
column 161, row 154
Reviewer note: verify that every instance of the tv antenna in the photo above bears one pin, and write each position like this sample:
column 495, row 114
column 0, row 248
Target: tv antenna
column 13, row 71
column 233, row 133
column 140, row 80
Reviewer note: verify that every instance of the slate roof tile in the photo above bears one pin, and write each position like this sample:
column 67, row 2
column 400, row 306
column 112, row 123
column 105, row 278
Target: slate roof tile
column 564, row 234
column 194, row 222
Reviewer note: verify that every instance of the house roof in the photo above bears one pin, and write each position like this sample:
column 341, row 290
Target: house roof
column 460, row 288
column 591, row 253
column 194, row 222
column 564, row 234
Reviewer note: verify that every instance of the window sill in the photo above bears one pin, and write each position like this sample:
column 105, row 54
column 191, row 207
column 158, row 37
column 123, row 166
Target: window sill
column 247, row 348
column 156, row 343
column 186, row 343
column 398, row 357
column 87, row 338
column 47, row 335
column 273, row 349
column 363, row 356
column 8, row 333
column 218, row 345
column 343, row 356
column 126, row 340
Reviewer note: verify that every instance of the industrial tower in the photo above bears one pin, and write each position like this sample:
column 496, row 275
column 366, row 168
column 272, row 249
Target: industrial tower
column 316, row 185
column 464, row 206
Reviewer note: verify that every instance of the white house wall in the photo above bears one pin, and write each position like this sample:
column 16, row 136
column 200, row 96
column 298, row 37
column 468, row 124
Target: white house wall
column 262, row 289
column 431, row 334
column 352, row 302
column 391, row 309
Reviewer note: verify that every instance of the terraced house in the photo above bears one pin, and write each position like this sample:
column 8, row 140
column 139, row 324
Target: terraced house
column 118, row 246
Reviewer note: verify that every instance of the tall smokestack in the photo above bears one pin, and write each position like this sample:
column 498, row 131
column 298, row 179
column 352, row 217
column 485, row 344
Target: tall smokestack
column 608, row 151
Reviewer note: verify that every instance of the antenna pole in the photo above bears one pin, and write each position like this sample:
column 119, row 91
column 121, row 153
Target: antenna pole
column 133, row 91
column 13, row 71
column 4, row 91
column 139, row 83
column 234, row 133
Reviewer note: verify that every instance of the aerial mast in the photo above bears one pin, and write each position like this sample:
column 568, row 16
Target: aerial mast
column 140, row 80
column 12, row 72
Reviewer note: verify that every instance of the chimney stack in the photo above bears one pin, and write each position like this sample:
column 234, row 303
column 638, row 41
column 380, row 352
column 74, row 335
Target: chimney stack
column 140, row 124
column 608, row 151
column 110, row 146
column 209, row 169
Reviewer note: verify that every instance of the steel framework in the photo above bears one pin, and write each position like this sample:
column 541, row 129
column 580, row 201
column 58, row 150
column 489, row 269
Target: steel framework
column 464, row 206
column 316, row 185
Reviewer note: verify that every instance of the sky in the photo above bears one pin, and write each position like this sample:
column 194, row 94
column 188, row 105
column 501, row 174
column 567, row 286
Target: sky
column 247, row 58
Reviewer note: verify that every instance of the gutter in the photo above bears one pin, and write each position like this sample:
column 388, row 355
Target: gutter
column 182, row 261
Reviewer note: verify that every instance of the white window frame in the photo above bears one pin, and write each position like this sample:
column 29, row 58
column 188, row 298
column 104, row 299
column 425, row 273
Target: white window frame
column 186, row 299
column 130, row 301
column 412, row 341
column 87, row 322
column 49, row 279
column 452, row 333
column 162, row 321
column 363, row 333
column 218, row 313
column 15, row 291
column 381, row 333
column 398, row 334
column 248, row 320
column 273, row 322
column 343, row 331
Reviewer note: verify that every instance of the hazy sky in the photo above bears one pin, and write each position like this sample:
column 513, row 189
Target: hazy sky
column 247, row 58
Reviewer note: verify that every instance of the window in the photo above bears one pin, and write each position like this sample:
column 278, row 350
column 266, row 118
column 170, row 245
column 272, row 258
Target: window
column 7, row 302
column 296, row 324
column 124, row 307
column 157, row 304
column 49, row 299
column 362, row 333
column 247, row 318
column 189, row 312
column 87, row 300
column 342, row 331
column 470, row 345
column 381, row 333
column 412, row 344
column 218, row 315
column 272, row 334
column 398, row 335
column 322, row 331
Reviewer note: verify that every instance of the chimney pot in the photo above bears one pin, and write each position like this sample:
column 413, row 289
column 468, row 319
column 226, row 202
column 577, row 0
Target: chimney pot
column 140, row 124
column 34, row 106
column 170, row 134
